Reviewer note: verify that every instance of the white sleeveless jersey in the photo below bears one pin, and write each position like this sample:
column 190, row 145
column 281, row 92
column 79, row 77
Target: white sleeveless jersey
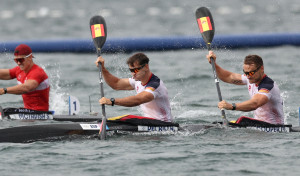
column 159, row 108
column 272, row 111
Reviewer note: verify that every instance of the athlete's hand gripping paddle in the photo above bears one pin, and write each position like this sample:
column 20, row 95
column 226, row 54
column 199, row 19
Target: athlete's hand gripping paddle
column 98, row 31
column 207, row 29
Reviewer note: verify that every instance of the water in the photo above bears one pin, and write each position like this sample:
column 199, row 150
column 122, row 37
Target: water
column 186, row 73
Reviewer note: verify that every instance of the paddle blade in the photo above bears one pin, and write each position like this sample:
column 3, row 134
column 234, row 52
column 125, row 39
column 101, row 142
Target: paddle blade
column 98, row 31
column 205, row 24
column 102, row 132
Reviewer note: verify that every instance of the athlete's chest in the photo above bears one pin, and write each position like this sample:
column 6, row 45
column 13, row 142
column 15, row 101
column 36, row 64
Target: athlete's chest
column 252, row 89
column 139, row 87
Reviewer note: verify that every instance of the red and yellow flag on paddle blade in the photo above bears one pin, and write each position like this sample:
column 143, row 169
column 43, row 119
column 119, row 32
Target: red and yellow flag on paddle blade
column 97, row 30
column 204, row 24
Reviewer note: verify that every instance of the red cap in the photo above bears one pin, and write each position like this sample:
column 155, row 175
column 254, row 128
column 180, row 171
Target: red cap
column 22, row 49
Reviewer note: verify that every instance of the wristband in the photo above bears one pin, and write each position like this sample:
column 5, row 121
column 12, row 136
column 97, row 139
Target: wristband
column 233, row 106
column 5, row 90
column 112, row 101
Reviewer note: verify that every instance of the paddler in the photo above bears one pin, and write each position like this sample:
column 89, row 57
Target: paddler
column 265, row 100
column 152, row 94
column 33, row 82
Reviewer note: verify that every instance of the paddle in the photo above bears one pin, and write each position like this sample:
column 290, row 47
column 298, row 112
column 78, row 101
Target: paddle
column 207, row 29
column 1, row 113
column 98, row 31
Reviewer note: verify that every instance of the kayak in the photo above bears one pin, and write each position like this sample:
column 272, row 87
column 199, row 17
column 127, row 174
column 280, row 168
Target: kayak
column 90, row 125
column 125, row 123
column 49, row 132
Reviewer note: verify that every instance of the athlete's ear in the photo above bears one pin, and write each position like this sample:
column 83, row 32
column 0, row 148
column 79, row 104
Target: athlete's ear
column 30, row 58
column 147, row 66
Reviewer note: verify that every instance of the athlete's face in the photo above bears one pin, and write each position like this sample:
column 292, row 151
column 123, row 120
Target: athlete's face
column 23, row 61
column 137, row 71
column 253, row 73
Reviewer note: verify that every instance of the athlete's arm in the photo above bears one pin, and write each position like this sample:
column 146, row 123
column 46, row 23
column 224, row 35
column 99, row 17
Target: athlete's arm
column 229, row 77
column 4, row 74
column 255, row 102
column 28, row 86
column 113, row 81
column 116, row 83
column 225, row 75
column 130, row 101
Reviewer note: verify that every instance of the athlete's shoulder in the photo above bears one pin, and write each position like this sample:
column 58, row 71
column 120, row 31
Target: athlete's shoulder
column 38, row 70
column 154, row 82
column 244, row 78
column 37, row 67
column 266, row 84
column 37, row 73
column 14, row 72
column 15, row 69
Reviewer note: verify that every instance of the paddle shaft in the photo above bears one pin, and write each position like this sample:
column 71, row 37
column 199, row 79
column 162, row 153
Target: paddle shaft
column 90, row 104
column 212, row 61
column 102, row 134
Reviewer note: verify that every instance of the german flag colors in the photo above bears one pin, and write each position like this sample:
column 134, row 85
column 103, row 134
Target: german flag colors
column 204, row 24
column 150, row 88
column 264, row 91
column 97, row 30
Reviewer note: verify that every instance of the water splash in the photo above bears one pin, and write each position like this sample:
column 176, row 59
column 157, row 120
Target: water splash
column 286, row 109
column 176, row 105
column 58, row 96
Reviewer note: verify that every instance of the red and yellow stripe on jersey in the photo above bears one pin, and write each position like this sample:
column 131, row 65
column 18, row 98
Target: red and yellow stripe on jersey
column 150, row 88
column 263, row 91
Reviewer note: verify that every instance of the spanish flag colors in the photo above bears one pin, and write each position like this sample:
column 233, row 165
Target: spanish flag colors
column 204, row 24
column 97, row 30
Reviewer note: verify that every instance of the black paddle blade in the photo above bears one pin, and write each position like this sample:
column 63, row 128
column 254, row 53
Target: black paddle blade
column 98, row 31
column 206, row 24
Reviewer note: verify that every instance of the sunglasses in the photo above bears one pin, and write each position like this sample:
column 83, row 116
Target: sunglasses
column 251, row 73
column 22, row 59
column 135, row 70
